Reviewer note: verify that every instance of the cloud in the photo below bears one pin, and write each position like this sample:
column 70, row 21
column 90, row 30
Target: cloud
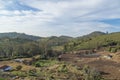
column 58, row 17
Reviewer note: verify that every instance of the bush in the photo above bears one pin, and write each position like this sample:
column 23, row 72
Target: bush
column 63, row 68
column 33, row 72
column 45, row 63
column 37, row 64
column 91, row 74
column 113, row 50
column 19, row 67
column 19, row 73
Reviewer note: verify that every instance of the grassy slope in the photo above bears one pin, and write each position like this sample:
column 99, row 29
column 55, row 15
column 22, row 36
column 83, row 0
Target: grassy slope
column 107, row 40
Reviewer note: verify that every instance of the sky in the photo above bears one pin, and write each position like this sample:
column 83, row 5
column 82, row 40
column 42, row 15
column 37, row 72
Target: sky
column 59, row 17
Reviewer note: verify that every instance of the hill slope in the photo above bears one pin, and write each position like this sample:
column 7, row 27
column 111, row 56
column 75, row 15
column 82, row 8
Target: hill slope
column 93, row 34
column 18, row 35
column 109, row 42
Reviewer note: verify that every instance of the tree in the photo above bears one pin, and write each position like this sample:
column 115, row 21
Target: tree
column 18, row 50
column 31, row 49
column 44, row 47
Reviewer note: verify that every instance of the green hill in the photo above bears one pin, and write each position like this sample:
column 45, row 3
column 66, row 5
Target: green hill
column 55, row 42
column 23, row 45
column 18, row 35
column 109, row 42
column 93, row 34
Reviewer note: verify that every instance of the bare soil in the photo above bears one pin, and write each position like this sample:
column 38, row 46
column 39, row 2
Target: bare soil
column 110, row 68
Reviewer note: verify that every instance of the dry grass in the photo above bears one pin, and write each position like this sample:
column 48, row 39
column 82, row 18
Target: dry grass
column 15, row 64
column 111, row 67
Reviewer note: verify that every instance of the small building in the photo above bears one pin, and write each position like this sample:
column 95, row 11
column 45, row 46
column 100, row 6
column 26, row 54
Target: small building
column 5, row 68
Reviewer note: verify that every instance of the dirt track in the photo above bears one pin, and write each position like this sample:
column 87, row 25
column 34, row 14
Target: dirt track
column 110, row 69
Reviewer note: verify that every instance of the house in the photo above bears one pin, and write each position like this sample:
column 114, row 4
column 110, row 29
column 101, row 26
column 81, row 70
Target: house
column 5, row 68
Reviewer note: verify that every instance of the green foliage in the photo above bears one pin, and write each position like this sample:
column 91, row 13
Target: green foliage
column 37, row 64
column 95, row 42
column 45, row 63
column 2, row 79
column 18, row 35
column 33, row 72
column 63, row 68
column 14, row 45
column 19, row 67
column 13, row 48
column 113, row 50
column 19, row 73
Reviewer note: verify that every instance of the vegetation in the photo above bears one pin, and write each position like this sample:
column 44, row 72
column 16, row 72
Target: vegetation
column 45, row 66
column 18, row 35
column 14, row 45
column 12, row 48
column 45, row 63
column 110, row 42
column 54, row 70
column 2, row 79
column 91, row 74
column 19, row 67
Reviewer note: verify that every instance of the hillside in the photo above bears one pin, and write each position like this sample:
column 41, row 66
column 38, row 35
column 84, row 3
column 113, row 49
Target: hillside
column 41, row 56
column 55, row 42
column 110, row 42
column 22, row 45
column 93, row 34
column 27, row 45
column 18, row 35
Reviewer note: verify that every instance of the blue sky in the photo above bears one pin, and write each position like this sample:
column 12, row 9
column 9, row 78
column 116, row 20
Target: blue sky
column 59, row 17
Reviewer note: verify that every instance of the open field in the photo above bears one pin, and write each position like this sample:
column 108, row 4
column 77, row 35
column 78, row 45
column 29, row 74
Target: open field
column 48, row 70
column 110, row 68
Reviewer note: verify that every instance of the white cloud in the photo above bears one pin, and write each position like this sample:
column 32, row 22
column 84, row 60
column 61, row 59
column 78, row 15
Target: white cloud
column 60, row 17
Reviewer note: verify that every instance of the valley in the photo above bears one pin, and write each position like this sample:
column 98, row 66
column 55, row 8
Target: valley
column 95, row 56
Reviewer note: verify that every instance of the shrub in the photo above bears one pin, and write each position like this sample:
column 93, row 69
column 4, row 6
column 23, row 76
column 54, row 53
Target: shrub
column 45, row 63
column 113, row 50
column 19, row 73
column 37, row 64
column 19, row 67
column 63, row 68
column 91, row 74
column 32, row 72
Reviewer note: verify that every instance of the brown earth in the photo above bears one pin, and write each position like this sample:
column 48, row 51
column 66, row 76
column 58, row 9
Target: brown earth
column 110, row 68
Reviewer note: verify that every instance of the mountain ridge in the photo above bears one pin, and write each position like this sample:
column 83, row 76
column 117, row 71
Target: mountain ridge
column 18, row 35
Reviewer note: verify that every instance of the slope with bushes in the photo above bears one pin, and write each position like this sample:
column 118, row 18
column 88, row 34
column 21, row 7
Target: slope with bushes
column 110, row 42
